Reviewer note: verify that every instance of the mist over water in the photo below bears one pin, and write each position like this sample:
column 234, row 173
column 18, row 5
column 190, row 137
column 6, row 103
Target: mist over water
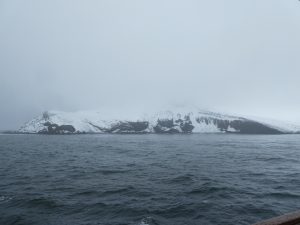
column 235, row 56
column 147, row 179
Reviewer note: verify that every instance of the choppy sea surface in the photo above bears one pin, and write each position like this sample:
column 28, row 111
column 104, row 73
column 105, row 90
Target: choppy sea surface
column 207, row 179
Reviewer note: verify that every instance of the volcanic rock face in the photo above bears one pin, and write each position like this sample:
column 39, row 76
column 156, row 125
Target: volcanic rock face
column 252, row 127
column 172, row 127
column 240, row 126
column 53, row 128
column 127, row 127
column 169, row 122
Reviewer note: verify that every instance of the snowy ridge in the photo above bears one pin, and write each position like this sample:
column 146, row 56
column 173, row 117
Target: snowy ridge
column 167, row 121
column 285, row 127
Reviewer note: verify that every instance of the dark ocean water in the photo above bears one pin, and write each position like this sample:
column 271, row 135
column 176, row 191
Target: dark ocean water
column 198, row 179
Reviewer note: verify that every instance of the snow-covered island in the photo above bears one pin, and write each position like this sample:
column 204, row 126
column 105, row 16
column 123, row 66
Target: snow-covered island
column 169, row 121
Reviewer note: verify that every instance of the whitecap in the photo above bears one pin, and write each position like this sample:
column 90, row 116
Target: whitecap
column 146, row 221
column 5, row 199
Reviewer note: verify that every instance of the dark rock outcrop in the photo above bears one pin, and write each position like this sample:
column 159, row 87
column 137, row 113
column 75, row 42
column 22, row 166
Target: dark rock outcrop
column 53, row 128
column 68, row 128
column 123, row 127
column 241, row 126
column 172, row 127
column 129, row 127
column 252, row 127
column 186, row 125
column 166, row 126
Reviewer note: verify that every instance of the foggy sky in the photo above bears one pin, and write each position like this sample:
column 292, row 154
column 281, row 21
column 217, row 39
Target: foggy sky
column 227, row 55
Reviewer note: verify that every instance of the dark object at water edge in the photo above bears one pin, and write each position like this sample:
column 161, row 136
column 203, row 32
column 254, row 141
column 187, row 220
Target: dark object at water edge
column 287, row 219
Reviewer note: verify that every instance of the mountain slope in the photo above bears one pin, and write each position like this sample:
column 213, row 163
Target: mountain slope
column 175, row 121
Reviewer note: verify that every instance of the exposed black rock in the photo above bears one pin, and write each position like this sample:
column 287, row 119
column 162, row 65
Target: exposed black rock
column 171, row 127
column 53, row 128
column 47, row 124
column 252, row 127
column 186, row 125
column 161, row 130
column 223, row 125
column 125, row 127
column 166, row 126
column 139, row 126
column 242, row 126
column 68, row 128
column 168, row 123
column 97, row 127
column 128, row 127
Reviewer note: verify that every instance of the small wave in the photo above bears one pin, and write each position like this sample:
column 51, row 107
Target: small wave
column 41, row 203
column 5, row 199
column 187, row 178
column 110, row 171
column 283, row 195
column 118, row 191
column 257, row 174
column 174, row 210
column 255, row 209
column 128, row 191
column 270, row 159
column 86, row 193
column 148, row 221
column 209, row 188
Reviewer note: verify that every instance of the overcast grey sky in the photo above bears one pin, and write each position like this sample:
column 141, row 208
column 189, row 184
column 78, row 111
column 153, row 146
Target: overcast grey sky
column 233, row 55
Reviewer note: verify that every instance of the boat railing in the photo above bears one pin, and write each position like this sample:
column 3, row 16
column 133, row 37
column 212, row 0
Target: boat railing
column 287, row 219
